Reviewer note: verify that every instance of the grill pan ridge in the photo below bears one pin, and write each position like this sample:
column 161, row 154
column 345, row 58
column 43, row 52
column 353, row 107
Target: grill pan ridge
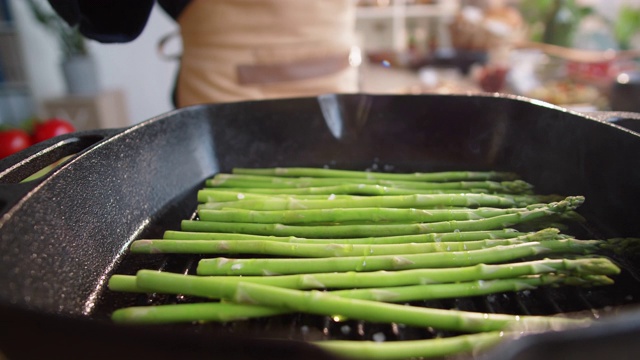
column 69, row 232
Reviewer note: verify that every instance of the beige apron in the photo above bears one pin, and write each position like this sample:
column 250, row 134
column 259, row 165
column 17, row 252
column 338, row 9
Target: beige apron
column 261, row 49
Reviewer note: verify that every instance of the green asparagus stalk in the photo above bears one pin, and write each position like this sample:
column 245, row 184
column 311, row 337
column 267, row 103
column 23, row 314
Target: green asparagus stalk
column 341, row 215
column 324, row 303
column 421, row 201
column 420, row 238
column 283, row 266
column 467, row 289
column 275, row 248
column 351, row 279
column 364, row 230
column 273, row 182
column 196, row 312
column 222, row 311
column 343, row 189
column 432, row 176
column 224, row 196
column 410, row 349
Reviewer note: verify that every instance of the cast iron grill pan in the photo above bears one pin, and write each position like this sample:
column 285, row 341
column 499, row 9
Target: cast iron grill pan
column 64, row 235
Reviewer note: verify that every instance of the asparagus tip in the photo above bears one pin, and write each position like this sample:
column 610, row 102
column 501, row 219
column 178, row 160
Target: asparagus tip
column 517, row 186
column 623, row 246
column 592, row 266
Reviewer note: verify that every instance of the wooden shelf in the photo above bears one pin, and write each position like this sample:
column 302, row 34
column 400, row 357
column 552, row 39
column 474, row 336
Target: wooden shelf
column 388, row 27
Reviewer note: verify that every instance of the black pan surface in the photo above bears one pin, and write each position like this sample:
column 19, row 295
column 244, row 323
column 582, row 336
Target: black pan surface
column 62, row 236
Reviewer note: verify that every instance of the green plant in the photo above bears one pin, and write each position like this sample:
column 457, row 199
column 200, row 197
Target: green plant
column 553, row 21
column 627, row 25
column 72, row 42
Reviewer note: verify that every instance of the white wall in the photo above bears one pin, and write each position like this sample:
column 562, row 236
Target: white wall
column 134, row 67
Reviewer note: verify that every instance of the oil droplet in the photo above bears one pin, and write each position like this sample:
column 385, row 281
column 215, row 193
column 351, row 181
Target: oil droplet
column 517, row 317
column 485, row 315
column 338, row 318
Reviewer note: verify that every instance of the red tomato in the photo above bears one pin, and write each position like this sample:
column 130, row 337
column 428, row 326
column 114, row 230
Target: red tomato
column 12, row 141
column 51, row 128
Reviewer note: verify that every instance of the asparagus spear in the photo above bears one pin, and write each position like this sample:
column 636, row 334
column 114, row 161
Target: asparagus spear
column 466, row 289
column 273, row 182
column 224, row 196
column 432, row 176
column 409, row 349
column 275, row 248
column 321, row 231
column 364, row 230
column 283, row 266
column 196, row 312
column 403, row 239
column 351, row 279
column 343, row 189
column 324, row 303
column 341, row 215
column 392, row 201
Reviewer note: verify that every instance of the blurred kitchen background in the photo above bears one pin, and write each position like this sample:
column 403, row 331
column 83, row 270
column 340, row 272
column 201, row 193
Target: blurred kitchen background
column 581, row 54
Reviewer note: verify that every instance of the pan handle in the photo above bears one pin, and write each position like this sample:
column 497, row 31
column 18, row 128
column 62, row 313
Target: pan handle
column 626, row 119
column 42, row 157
